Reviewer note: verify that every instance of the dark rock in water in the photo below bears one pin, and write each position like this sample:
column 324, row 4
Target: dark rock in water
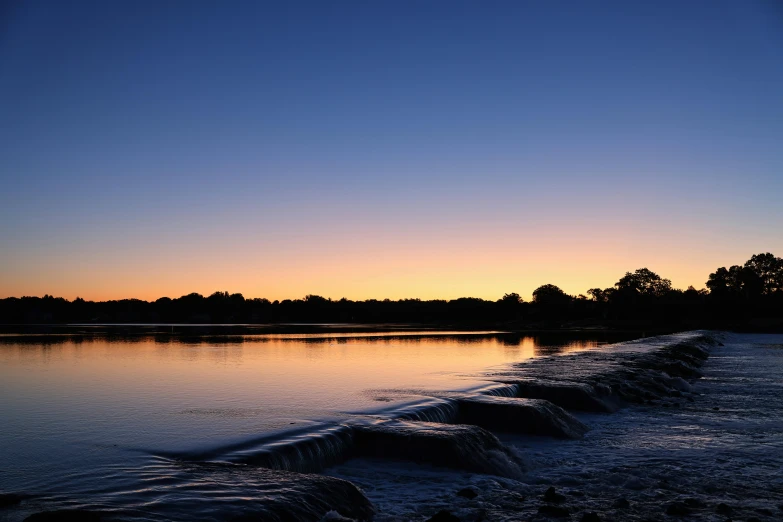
column 553, row 511
column 621, row 503
column 65, row 515
column 764, row 511
column 678, row 509
column 553, row 496
column 303, row 454
column 459, row 446
column 754, row 519
column 443, row 515
column 468, row 493
column 305, row 497
column 693, row 502
column 591, row 517
column 10, row 499
column 723, row 508
column 566, row 394
column 530, row 416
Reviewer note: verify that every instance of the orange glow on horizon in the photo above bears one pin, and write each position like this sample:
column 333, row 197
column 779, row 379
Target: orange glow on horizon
column 358, row 268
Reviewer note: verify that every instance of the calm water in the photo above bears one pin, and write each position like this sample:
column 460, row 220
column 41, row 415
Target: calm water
column 89, row 414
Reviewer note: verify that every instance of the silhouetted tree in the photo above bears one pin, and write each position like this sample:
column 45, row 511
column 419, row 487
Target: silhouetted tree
column 511, row 299
column 737, row 296
column 600, row 296
column 769, row 270
column 735, row 281
column 550, row 294
column 644, row 282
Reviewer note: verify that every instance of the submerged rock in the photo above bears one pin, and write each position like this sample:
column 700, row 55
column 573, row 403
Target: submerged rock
column 307, row 452
column 458, row 446
column 10, row 499
column 65, row 515
column 553, row 511
column 566, row 394
column 621, row 503
column 678, row 509
column 723, row 509
column 552, row 495
column 299, row 496
column 468, row 493
column 443, row 515
column 604, row 381
column 511, row 414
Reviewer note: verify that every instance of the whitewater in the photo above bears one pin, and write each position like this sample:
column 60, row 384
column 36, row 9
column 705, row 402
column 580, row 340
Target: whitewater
column 713, row 453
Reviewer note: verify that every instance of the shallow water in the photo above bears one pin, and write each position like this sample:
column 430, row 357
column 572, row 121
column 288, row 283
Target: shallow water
column 89, row 418
column 718, row 452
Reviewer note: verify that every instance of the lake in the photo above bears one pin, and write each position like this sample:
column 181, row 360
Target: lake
column 90, row 412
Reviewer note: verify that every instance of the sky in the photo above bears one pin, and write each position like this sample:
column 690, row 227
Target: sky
column 387, row 149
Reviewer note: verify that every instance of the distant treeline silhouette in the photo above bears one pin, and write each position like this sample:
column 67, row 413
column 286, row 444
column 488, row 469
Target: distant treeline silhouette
column 750, row 295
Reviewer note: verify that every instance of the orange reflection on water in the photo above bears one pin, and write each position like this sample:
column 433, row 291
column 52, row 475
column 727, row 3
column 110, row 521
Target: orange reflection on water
column 159, row 389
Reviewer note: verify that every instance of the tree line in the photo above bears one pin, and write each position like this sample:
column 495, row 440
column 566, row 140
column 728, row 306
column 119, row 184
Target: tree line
column 749, row 295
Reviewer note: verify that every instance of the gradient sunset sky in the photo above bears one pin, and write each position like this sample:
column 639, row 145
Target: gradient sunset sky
column 384, row 149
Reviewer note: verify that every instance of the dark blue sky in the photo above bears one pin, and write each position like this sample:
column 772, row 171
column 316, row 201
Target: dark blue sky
column 144, row 133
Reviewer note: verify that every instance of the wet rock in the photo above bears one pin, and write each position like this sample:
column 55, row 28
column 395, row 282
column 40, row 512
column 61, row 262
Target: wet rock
column 304, row 454
column 459, row 446
column 678, row 509
column 591, row 517
column 307, row 498
column 723, row 509
column 566, row 394
column 10, row 499
column 553, row 496
column 553, row 511
column 468, row 493
column 65, row 515
column 621, row 503
column 511, row 414
column 443, row 515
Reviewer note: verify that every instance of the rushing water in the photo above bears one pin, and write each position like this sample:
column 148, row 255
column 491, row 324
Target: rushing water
column 717, row 453
column 89, row 414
